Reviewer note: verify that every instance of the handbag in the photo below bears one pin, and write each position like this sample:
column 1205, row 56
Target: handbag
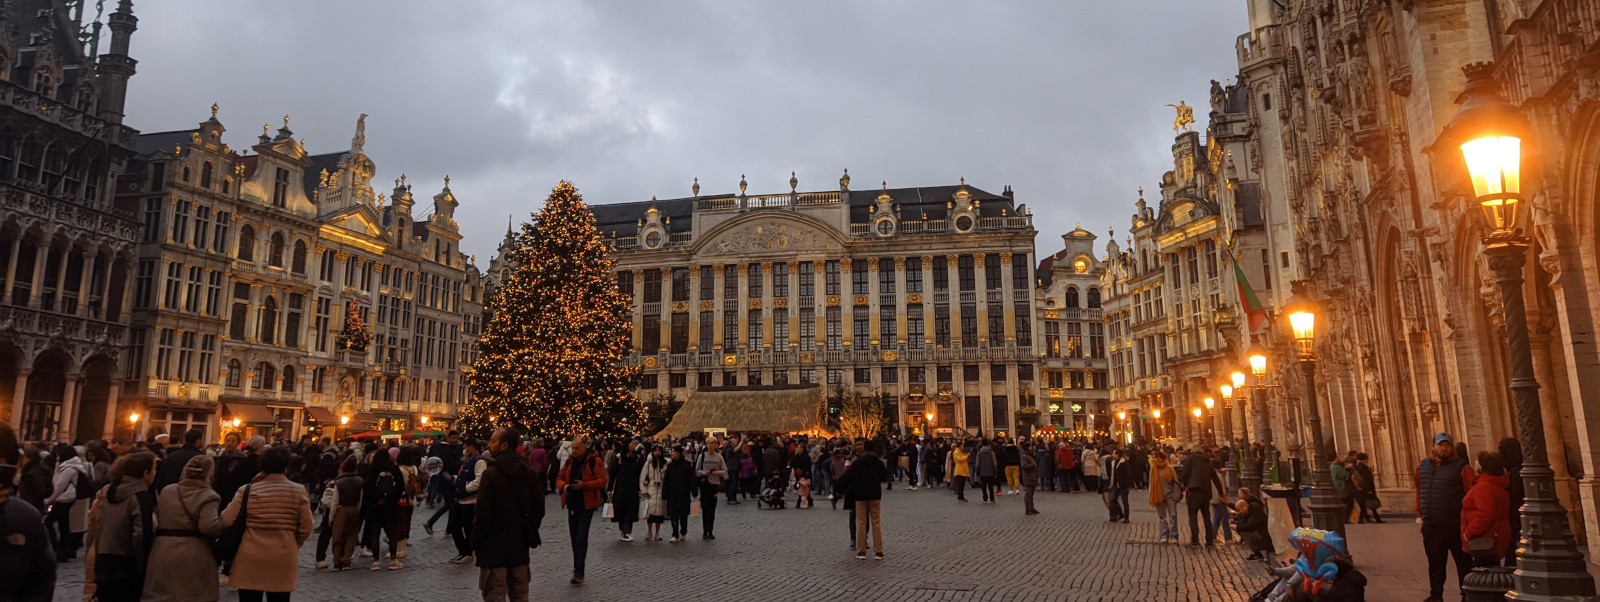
column 1481, row 547
column 228, row 545
column 694, row 508
column 607, row 511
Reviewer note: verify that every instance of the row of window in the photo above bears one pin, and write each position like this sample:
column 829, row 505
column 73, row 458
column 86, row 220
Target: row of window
column 60, row 169
column 1070, row 344
column 833, row 334
column 757, row 280
column 836, row 376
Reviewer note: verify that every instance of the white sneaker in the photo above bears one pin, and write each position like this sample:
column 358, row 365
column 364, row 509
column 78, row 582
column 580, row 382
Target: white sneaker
column 913, row 488
column 627, row 537
column 322, row 564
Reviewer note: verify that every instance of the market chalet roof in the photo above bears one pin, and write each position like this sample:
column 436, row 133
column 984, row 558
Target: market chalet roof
column 918, row 203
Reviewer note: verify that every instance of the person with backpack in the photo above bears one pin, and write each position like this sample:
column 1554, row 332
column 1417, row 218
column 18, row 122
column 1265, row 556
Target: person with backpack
column 380, row 508
column 327, row 470
column 412, row 490
column 73, row 489
column 582, row 483
column 505, row 525
column 124, row 522
column 342, row 500
column 467, row 481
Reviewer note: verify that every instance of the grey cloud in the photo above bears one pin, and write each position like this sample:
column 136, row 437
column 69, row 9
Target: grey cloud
column 1062, row 100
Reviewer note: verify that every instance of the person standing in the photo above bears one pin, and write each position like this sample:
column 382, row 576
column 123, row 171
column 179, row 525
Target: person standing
column 172, row 468
column 341, row 500
column 1029, row 469
column 1066, row 462
column 1164, row 495
column 988, row 471
column 123, row 530
column 181, row 567
column 277, row 523
column 862, row 479
column 69, row 507
column 27, row 561
column 1484, row 513
column 1220, row 504
column 1011, row 459
column 1119, row 478
column 1441, row 482
column 624, row 476
column 960, row 472
column 467, row 482
column 711, row 470
column 1367, row 494
column 651, row 478
column 1198, row 480
column 1091, row 470
column 677, row 490
column 505, row 524
column 582, row 483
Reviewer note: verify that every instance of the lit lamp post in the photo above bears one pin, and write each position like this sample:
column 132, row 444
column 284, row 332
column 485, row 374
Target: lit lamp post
column 1232, row 468
column 1327, row 512
column 1200, row 420
column 1211, row 417
column 1122, row 425
column 1258, row 417
column 927, row 423
column 1160, row 426
column 1489, row 132
column 133, row 423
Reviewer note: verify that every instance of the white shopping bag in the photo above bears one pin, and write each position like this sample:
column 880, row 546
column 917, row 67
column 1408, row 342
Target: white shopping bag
column 606, row 511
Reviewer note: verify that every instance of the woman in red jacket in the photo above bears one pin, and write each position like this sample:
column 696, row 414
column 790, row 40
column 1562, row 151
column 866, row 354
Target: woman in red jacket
column 1485, row 512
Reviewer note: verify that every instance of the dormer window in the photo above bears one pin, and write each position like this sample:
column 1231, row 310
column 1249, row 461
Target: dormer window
column 44, row 83
column 280, row 188
column 275, row 254
column 205, row 176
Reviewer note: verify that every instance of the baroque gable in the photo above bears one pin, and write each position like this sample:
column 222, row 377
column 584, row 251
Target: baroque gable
column 767, row 234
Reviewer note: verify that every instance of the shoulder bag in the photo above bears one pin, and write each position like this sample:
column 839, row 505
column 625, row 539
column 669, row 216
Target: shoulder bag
column 228, row 545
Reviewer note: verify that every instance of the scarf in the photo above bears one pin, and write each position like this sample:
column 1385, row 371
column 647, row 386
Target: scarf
column 1160, row 472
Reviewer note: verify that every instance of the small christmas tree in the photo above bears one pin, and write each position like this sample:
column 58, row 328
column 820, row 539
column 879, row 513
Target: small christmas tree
column 551, row 352
column 355, row 335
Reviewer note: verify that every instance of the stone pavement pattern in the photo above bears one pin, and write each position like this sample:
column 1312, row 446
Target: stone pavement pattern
column 937, row 548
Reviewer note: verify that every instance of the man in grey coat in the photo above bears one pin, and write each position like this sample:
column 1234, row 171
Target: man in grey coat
column 988, row 471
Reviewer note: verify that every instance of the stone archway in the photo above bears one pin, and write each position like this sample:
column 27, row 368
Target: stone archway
column 94, row 399
column 43, row 400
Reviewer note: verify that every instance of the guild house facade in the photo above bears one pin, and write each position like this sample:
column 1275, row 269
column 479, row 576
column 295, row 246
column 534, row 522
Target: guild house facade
column 922, row 294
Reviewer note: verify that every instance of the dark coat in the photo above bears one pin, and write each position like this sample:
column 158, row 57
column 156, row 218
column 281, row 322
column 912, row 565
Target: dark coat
column 1254, row 518
column 625, row 488
column 1197, row 473
column 235, row 471
column 678, row 487
column 863, row 479
column 35, row 485
column 171, row 469
column 509, row 499
column 27, row 569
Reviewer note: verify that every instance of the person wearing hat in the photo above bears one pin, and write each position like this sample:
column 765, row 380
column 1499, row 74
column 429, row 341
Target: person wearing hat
column 1442, row 481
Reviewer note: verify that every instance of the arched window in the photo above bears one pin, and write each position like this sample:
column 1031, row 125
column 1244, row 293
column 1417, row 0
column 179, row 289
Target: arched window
column 1094, row 297
column 205, row 175
column 275, row 253
column 247, row 244
column 1072, row 296
column 269, row 322
column 265, row 377
column 288, row 379
column 234, row 372
column 186, row 172
column 299, row 262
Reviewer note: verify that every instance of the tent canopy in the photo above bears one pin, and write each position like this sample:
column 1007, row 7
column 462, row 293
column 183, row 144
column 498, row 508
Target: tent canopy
column 763, row 409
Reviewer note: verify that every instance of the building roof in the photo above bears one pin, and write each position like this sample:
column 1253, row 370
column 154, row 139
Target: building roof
column 313, row 175
column 163, row 141
column 916, row 203
column 765, row 409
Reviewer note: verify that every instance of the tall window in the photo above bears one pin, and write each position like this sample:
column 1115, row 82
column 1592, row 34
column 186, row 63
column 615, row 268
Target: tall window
column 192, row 295
column 831, row 278
column 247, row 243
column 1019, row 272
column 707, row 330
column 268, row 324
column 730, row 330
column 219, row 241
column 205, row 175
column 1024, row 327
column 180, row 223
column 291, row 321
column 1097, row 340
column 288, row 379
column 679, row 334
column 680, row 284
column 991, row 272
column 164, row 344
column 808, row 280
column 780, row 329
column 208, row 354
column 754, row 327
column 280, row 188
column 324, row 319
column 941, row 325
column 888, row 326
column 186, row 349
column 625, row 284
column 298, row 265
column 1094, row 297
column 965, row 270
column 861, row 325
column 265, row 378
column 730, row 282
column 235, row 372
column 755, row 281
column 969, row 325
column 202, row 227
column 1070, row 298
column 275, row 251
column 914, row 332
column 858, row 277
column 708, row 283
column 886, row 275
column 1074, row 339
column 834, row 334
column 780, row 280
column 1211, row 258
column 1052, row 338
column 941, row 273
column 997, row 323
column 808, row 327
column 913, row 274
column 652, row 286
column 1194, row 265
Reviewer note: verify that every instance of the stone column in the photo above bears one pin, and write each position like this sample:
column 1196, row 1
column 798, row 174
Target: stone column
column 794, row 309
column 900, row 306
column 847, row 319
column 1539, row 340
column 744, row 306
column 61, row 278
column 717, row 295
column 873, row 309
column 126, row 306
column 111, row 408
column 927, row 301
column 638, row 313
column 41, row 257
column 819, row 269
column 694, row 309
column 953, row 268
column 665, row 317
column 1006, row 303
column 11, row 268
column 768, row 307
column 85, row 279
column 69, row 408
column 19, row 398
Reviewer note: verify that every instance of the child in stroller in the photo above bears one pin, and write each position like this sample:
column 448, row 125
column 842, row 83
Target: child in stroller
column 772, row 494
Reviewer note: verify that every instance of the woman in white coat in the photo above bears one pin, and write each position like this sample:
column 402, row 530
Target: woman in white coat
column 655, row 506
column 69, row 508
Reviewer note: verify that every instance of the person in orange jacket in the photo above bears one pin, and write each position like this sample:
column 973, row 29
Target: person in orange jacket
column 582, row 484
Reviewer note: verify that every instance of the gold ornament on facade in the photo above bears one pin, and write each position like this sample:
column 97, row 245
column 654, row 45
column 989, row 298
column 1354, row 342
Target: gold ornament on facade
column 707, row 306
column 780, row 302
column 1005, row 257
column 889, row 356
column 914, row 298
column 899, row 263
column 927, row 261
column 650, row 362
column 755, row 303
column 807, row 357
column 860, row 300
column 977, row 260
column 743, row 269
column 1185, row 119
column 1052, row 314
column 953, row 258
column 833, row 300
column 730, row 360
column 844, row 265
column 680, row 306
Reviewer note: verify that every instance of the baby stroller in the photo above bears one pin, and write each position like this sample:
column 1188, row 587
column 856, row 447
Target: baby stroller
column 772, row 495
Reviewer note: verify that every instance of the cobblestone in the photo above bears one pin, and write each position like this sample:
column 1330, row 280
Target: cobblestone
column 937, row 549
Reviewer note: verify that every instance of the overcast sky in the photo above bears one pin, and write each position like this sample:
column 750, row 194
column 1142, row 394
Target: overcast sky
column 1063, row 100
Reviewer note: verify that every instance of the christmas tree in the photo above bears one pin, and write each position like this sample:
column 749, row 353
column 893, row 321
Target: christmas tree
column 355, row 335
column 550, row 360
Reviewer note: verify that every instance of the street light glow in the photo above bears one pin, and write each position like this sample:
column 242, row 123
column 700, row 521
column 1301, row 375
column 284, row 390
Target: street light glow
column 1238, row 379
column 1197, row 412
column 1495, row 164
column 1227, row 391
column 1211, row 403
column 134, row 417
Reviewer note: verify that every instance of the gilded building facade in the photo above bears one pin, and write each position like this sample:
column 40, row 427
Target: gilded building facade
column 252, row 264
column 922, row 294
column 1073, row 360
column 67, row 252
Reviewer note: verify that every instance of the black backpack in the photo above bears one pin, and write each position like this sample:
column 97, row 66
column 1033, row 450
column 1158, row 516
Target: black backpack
column 85, row 485
column 386, row 486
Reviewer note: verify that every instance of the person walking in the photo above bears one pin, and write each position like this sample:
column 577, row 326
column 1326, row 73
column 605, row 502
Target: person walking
column 1367, row 490
column 1164, row 495
column 459, row 525
column 1029, row 469
column 960, row 471
column 177, row 461
column 1220, row 505
column 342, row 501
column 1066, row 463
column 1199, row 479
column 624, row 492
column 582, row 483
column 651, row 479
column 862, row 479
column 1011, row 459
column 1441, row 482
column 71, row 492
column 988, row 471
column 412, row 490
column 189, row 516
column 27, row 562
column 381, row 508
column 505, row 522
column 122, row 529
column 678, row 490
column 1485, row 520
column 1119, row 479
column 276, row 524
column 711, row 469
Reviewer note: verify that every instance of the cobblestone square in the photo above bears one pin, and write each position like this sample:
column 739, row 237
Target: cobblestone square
column 937, row 549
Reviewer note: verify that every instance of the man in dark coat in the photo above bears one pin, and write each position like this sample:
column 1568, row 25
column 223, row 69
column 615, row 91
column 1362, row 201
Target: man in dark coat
column 27, row 561
column 1442, row 481
column 172, row 467
column 861, row 480
column 1199, row 479
column 510, row 506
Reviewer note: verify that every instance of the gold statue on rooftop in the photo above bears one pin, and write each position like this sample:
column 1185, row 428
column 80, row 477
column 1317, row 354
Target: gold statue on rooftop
column 1185, row 120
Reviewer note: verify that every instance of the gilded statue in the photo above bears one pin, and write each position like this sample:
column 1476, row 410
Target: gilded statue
column 1185, row 120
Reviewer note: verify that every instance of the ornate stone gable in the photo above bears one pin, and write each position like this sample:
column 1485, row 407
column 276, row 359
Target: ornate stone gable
column 770, row 235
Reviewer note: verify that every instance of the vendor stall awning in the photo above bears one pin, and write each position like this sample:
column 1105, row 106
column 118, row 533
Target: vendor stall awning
column 768, row 409
column 363, row 419
column 321, row 415
column 248, row 413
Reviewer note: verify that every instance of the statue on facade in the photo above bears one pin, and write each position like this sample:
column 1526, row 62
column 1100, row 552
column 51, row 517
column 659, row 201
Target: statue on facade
column 360, row 139
column 1185, row 120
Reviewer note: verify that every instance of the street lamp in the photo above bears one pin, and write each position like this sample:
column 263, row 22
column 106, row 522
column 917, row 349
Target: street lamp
column 1211, row 421
column 237, row 422
column 1327, row 512
column 1489, row 132
column 1257, row 358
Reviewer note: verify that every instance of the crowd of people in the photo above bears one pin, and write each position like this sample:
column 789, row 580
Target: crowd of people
column 162, row 521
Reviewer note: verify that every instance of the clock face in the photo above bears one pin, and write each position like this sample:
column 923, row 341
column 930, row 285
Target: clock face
column 964, row 223
column 885, row 227
column 652, row 239
column 1081, row 266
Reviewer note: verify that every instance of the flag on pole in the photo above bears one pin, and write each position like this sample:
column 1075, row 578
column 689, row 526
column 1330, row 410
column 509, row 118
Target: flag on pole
column 1247, row 297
